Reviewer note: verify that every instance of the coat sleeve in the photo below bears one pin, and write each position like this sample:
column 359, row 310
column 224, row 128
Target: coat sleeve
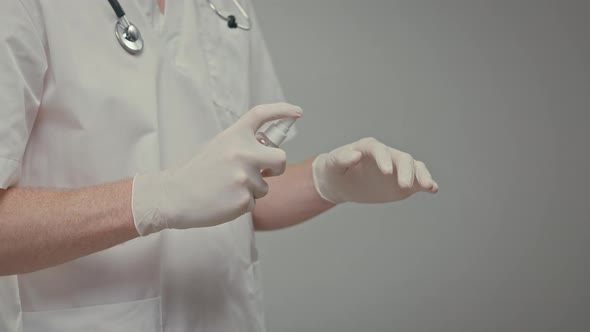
column 22, row 70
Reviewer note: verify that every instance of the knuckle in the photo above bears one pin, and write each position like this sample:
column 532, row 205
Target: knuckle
column 233, row 155
column 257, row 110
column 369, row 140
column 281, row 156
column 264, row 190
column 407, row 156
column 240, row 154
column 241, row 178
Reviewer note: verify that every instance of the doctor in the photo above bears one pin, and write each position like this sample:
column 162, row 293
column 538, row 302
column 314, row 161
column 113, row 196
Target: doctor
column 131, row 184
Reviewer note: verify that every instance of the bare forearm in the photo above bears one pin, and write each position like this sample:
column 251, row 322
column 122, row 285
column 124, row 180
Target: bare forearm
column 40, row 228
column 292, row 199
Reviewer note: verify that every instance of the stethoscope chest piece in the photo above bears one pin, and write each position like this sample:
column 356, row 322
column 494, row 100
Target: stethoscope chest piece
column 128, row 36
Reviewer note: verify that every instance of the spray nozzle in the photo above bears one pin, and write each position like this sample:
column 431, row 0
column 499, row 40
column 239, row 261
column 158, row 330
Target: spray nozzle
column 277, row 132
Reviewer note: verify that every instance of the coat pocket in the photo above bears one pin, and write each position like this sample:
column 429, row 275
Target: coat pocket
column 141, row 316
column 227, row 53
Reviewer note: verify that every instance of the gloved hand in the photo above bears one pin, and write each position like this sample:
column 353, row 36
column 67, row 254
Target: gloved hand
column 218, row 184
column 368, row 171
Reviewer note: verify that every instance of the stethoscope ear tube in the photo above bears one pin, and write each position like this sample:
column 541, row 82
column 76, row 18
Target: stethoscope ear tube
column 231, row 19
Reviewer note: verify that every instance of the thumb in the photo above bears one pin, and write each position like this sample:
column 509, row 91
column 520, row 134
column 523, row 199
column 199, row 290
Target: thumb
column 259, row 115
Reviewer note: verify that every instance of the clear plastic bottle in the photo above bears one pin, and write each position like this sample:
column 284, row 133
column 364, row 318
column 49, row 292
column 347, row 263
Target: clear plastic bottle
column 274, row 135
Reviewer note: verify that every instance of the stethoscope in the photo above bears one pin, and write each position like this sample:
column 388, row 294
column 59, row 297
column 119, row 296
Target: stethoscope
column 130, row 37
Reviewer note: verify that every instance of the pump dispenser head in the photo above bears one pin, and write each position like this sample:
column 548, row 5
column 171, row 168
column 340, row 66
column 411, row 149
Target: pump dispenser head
column 277, row 132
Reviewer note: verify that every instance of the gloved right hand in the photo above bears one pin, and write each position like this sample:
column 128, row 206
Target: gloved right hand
column 219, row 184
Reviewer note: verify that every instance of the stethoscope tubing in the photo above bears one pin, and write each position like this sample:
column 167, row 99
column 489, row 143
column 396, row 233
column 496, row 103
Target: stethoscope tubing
column 130, row 37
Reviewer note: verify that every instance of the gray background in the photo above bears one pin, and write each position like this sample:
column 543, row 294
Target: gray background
column 494, row 96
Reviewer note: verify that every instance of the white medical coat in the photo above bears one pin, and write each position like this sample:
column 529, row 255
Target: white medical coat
column 77, row 110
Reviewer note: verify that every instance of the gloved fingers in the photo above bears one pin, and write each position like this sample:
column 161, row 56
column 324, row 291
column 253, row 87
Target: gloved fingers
column 252, row 180
column 249, row 180
column 378, row 151
column 435, row 187
column 424, row 178
column 273, row 161
column 259, row 115
column 404, row 164
column 259, row 186
column 344, row 157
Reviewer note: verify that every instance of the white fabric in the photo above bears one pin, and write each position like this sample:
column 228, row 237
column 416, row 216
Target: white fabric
column 77, row 110
column 219, row 184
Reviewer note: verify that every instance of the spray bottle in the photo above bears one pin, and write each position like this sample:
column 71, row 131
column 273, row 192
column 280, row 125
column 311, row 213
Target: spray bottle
column 274, row 135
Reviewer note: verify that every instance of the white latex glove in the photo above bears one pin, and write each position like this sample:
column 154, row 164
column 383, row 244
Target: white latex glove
column 368, row 171
column 218, row 184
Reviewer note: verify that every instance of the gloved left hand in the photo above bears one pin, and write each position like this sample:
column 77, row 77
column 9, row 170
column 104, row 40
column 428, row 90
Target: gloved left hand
column 368, row 171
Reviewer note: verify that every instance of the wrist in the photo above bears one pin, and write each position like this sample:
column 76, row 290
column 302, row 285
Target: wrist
column 146, row 200
column 320, row 179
